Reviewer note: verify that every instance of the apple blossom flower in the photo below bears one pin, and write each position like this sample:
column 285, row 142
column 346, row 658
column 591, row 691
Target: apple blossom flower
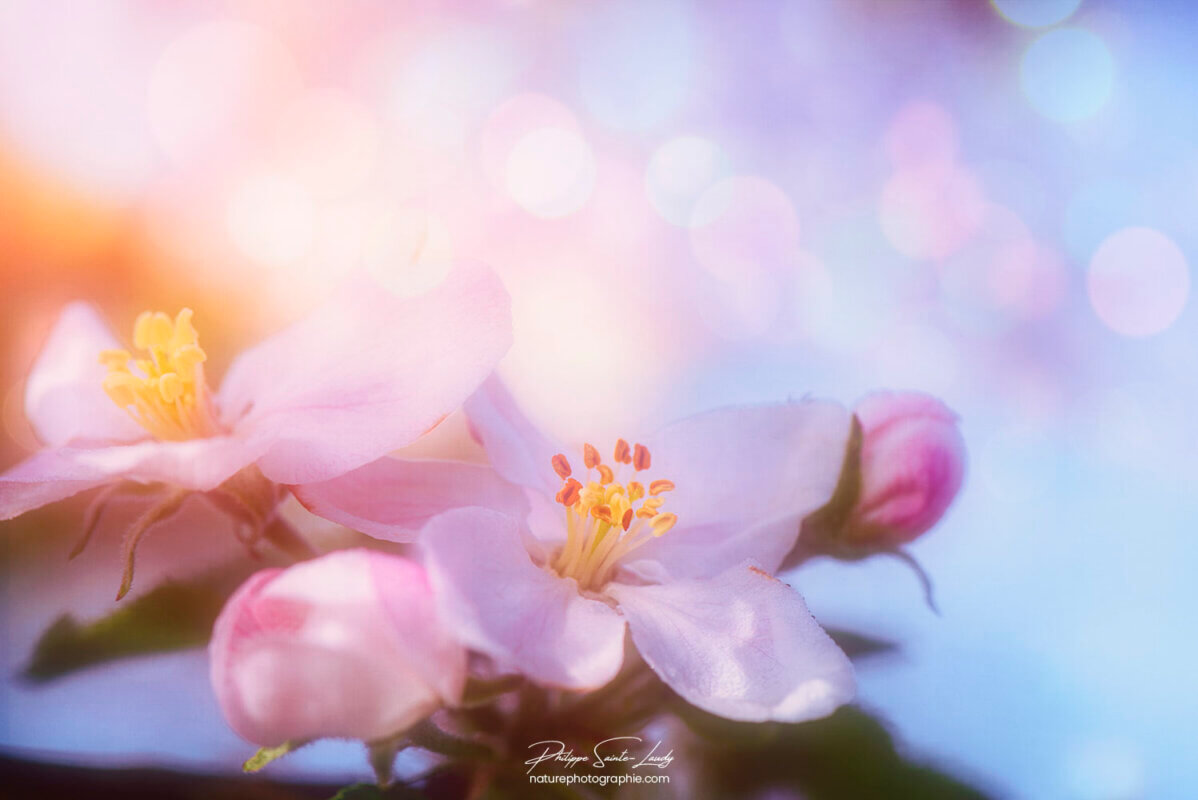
column 675, row 539
column 912, row 465
column 347, row 645
column 366, row 373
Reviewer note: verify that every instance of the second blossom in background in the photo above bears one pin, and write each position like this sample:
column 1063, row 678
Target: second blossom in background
column 348, row 645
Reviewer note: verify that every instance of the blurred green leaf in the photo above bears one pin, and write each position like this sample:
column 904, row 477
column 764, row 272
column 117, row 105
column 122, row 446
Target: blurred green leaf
column 849, row 754
column 174, row 616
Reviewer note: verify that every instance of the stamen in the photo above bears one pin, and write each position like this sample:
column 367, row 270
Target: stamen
column 662, row 523
column 561, row 466
column 166, row 394
column 606, row 519
column 590, row 456
column 569, row 493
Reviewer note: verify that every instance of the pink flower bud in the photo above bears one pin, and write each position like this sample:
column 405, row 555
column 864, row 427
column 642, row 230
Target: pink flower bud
column 912, row 463
column 348, row 645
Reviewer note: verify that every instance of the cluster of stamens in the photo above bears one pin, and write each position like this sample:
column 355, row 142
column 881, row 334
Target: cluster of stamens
column 166, row 394
column 604, row 522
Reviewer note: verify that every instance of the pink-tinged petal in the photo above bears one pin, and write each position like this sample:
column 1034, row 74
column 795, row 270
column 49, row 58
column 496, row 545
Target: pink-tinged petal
column 912, row 465
column 196, row 464
column 46, row 477
column 407, row 596
column 348, row 645
column 502, row 604
column 744, row 479
column 365, row 374
column 517, row 450
column 392, row 498
column 741, row 645
column 64, row 397
column 52, row 475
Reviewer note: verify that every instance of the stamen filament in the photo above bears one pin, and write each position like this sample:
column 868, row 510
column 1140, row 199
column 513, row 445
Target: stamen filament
column 607, row 519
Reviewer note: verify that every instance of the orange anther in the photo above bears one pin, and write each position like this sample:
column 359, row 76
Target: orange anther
column 627, row 521
column 605, row 474
column 623, row 454
column 590, row 456
column 569, row 493
column 561, row 466
column 602, row 512
column 657, row 487
column 646, row 512
column 636, row 490
column 640, row 457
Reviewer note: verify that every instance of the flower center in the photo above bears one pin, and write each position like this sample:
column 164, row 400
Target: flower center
column 165, row 391
column 604, row 522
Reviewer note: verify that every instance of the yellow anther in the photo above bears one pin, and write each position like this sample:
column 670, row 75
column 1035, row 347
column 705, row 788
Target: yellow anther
column 662, row 523
column 184, row 332
column 605, row 474
column 635, row 491
column 166, row 394
column 152, row 329
column 115, row 359
column 170, row 387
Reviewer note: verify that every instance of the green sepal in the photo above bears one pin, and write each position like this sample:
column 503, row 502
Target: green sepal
column 265, row 755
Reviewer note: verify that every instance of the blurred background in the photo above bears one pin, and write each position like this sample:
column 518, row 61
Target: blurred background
column 692, row 204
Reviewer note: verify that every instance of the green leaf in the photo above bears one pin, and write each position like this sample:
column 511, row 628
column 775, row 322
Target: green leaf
column 848, row 754
column 858, row 645
column 176, row 615
column 265, row 755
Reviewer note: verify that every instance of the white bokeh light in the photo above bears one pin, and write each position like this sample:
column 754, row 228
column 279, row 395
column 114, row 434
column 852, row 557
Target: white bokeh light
column 270, row 219
column 679, row 171
column 512, row 120
column 929, row 212
column 1067, row 74
column 449, row 83
column 329, row 141
column 743, row 224
column 550, row 172
column 1138, row 282
column 217, row 89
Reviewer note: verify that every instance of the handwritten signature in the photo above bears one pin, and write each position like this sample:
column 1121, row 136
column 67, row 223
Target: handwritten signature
column 602, row 754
